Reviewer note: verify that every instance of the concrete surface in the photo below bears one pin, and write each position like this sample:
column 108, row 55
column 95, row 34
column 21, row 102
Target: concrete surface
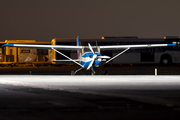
column 89, row 97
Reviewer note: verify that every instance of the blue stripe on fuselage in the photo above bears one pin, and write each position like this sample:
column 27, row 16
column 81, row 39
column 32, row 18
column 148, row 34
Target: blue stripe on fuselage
column 85, row 64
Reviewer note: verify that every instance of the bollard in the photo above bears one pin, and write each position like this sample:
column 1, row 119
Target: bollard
column 155, row 71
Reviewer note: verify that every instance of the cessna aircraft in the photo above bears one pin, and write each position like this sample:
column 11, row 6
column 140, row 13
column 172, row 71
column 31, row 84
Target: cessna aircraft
column 89, row 57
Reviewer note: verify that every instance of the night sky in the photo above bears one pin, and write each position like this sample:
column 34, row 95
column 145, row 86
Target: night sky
column 43, row 20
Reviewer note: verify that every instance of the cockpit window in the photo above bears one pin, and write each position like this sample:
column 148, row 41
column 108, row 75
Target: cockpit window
column 90, row 56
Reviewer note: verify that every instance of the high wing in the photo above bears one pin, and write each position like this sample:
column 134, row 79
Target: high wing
column 58, row 47
column 127, row 47
column 113, row 47
column 54, row 47
column 68, row 47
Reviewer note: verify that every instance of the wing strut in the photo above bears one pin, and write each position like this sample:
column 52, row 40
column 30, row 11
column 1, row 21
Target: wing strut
column 118, row 54
column 67, row 57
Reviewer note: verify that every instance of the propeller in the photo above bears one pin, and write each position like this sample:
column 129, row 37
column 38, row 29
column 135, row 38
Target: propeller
column 95, row 57
column 91, row 48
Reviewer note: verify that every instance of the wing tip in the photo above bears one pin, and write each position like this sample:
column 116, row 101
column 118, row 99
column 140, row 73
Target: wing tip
column 171, row 44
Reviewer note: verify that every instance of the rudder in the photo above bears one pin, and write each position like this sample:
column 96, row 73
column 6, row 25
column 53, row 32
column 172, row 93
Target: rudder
column 78, row 44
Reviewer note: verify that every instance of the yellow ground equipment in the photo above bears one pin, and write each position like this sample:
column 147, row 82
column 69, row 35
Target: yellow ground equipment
column 13, row 55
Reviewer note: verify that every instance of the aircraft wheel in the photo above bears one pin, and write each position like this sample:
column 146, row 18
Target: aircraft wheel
column 93, row 73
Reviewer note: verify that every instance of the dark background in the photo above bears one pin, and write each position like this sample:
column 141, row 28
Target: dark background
column 43, row 20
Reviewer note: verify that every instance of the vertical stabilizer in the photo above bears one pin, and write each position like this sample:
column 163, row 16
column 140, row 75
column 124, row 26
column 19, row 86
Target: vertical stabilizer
column 78, row 44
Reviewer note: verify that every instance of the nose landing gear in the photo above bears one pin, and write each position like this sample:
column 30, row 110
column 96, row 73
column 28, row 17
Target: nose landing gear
column 93, row 72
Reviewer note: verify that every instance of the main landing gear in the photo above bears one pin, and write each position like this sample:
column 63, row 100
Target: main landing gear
column 74, row 72
column 92, row 72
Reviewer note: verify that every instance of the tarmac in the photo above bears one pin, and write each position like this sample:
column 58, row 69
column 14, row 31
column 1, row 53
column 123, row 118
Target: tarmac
column 127, row 69
column 53, row 94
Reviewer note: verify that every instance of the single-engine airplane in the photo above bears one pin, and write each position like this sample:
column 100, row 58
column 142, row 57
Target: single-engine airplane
column 89, row 57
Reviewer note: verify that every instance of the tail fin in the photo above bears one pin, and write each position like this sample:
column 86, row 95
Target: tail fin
column 78, row 44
